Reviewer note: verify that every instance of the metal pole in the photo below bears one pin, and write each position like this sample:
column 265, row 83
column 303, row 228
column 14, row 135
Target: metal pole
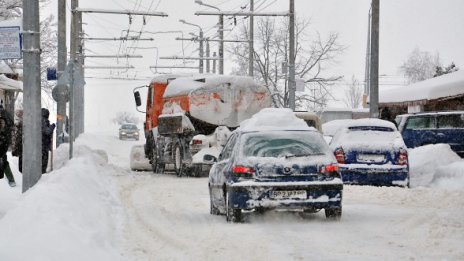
column 221, row 44
column 250, row 46
column 207, row 55
column 374, row 71
column 367, row 67
column 81, row 64
column 62, row 58
column 291, row 58
column 201, row 51
column 73, row 58
column 32, row 136
column 214, row 63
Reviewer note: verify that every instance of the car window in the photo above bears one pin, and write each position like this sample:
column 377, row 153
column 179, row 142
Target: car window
column 129, row 127
column 284, row 143
column 228, row 148
column 451, row 121
column 426, row 122
column 370, row 128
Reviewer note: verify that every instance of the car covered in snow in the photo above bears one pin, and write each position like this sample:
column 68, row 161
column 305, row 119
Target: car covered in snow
column 275, row 161
column 371, row 152
column 432, row 128
column 128, row 131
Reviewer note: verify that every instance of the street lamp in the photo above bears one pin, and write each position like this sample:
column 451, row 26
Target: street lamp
column 221, row 35
column 201, row 42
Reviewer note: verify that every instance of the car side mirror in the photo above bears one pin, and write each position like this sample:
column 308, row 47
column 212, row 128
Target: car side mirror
column 138, row 101
column 209, row 158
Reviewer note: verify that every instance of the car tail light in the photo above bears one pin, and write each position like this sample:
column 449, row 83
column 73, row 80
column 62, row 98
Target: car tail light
column 403, row 157
column 340, row 156
column 331, row 171
column 242, row 171
column 197, row 142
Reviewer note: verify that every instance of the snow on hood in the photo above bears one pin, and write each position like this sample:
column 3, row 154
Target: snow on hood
column 436, row 165
column 73, row 213
column 443, row 86
column 274, row 119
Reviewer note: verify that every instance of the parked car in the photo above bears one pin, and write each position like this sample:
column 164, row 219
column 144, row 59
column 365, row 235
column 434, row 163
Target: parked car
column 433, row 127
column 274, row 160
column 128, row 130
column 371, row 152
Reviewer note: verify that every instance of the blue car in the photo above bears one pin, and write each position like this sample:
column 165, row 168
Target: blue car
column 288, row 166
column 371, row 152
column 432, row 128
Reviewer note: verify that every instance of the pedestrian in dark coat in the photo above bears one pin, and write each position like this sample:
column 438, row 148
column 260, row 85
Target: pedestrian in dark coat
column 47, row 134
column 17, row 149
column 6, row 129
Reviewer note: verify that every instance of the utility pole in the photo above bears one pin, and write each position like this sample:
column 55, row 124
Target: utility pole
column 374, row 65
column 207, row 55
column 291, row 58
column 250, row 46
column 201, row 51
column 32, row 134
column 214, row 63
column 62, row 58
column 221, row 44
column 80, row 91
column 367, row 66
column 73, row 58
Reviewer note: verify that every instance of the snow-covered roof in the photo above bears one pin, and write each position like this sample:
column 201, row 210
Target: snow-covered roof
column 4, row 68
column 274, row 119
column 447, row 85
column 163, row 78
column 9, row 84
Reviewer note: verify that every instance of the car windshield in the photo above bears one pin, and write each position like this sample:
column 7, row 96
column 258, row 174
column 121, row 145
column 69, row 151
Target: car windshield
column 370, row 128
column 129, row 127
column 283, row 144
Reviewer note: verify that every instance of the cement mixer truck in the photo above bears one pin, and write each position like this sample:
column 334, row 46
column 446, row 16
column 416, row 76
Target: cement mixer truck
column 189, row 118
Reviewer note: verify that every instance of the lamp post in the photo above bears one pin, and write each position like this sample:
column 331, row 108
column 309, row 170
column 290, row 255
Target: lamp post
column 221, row 35
column 201, row 43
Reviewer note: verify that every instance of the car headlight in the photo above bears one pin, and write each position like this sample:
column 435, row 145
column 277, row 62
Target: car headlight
column 122, row 132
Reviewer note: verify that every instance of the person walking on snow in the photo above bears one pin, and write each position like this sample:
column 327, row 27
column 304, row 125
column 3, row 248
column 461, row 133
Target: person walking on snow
column 47, row 133
column 6, row 128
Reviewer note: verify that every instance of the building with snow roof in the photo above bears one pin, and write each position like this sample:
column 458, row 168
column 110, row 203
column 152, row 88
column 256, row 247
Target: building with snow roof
column 443, row 93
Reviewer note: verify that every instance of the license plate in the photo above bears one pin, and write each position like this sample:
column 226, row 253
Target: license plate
column 371, row 158
column 288, row 194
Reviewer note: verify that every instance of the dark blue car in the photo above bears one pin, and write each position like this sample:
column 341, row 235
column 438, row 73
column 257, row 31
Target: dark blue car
column 287, row 167
column 371, row 152
column 432, row 128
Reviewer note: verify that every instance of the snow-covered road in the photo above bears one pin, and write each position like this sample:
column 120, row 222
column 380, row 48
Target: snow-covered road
column 168, row 218
column 94, row 210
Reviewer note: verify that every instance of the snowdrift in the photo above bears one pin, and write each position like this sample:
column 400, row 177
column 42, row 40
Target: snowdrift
column 73, row 213
column 436, row 165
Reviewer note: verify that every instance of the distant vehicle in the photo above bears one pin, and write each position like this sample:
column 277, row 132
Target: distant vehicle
column 275, row 161
column 311, row 119
column 188, row 118
column 371, row 152
column 432, row 128
column 128, row 131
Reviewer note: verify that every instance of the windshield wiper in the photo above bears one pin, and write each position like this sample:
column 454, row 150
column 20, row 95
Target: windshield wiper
column 302, row 155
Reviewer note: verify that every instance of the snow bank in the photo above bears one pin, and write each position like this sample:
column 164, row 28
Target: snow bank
column 436, row 165
column 274, row 119
column 73, row 213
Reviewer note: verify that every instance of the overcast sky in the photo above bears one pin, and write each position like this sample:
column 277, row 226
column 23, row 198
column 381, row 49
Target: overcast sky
column 434, row 26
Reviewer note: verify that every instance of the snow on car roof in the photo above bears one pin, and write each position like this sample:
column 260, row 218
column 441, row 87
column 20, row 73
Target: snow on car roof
column 274, row 119
column 370, row 122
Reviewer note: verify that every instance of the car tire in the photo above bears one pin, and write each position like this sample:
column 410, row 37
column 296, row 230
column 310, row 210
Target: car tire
column 232, row 214
column 178, row 166
column 333, row 213
column 213, row 210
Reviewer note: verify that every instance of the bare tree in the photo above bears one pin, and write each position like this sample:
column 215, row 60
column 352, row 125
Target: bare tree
column 420, row 65
column 271, row 54
column 353, row 96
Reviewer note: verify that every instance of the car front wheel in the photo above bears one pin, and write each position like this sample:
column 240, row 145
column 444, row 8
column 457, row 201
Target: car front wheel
column 232, row 214
column 333, row 213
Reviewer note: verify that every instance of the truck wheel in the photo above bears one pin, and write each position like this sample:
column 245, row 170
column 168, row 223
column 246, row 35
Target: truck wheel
column 232, row 214
column 178, row 166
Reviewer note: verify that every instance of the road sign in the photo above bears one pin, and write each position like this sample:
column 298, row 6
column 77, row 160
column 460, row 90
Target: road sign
column 10, row 42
